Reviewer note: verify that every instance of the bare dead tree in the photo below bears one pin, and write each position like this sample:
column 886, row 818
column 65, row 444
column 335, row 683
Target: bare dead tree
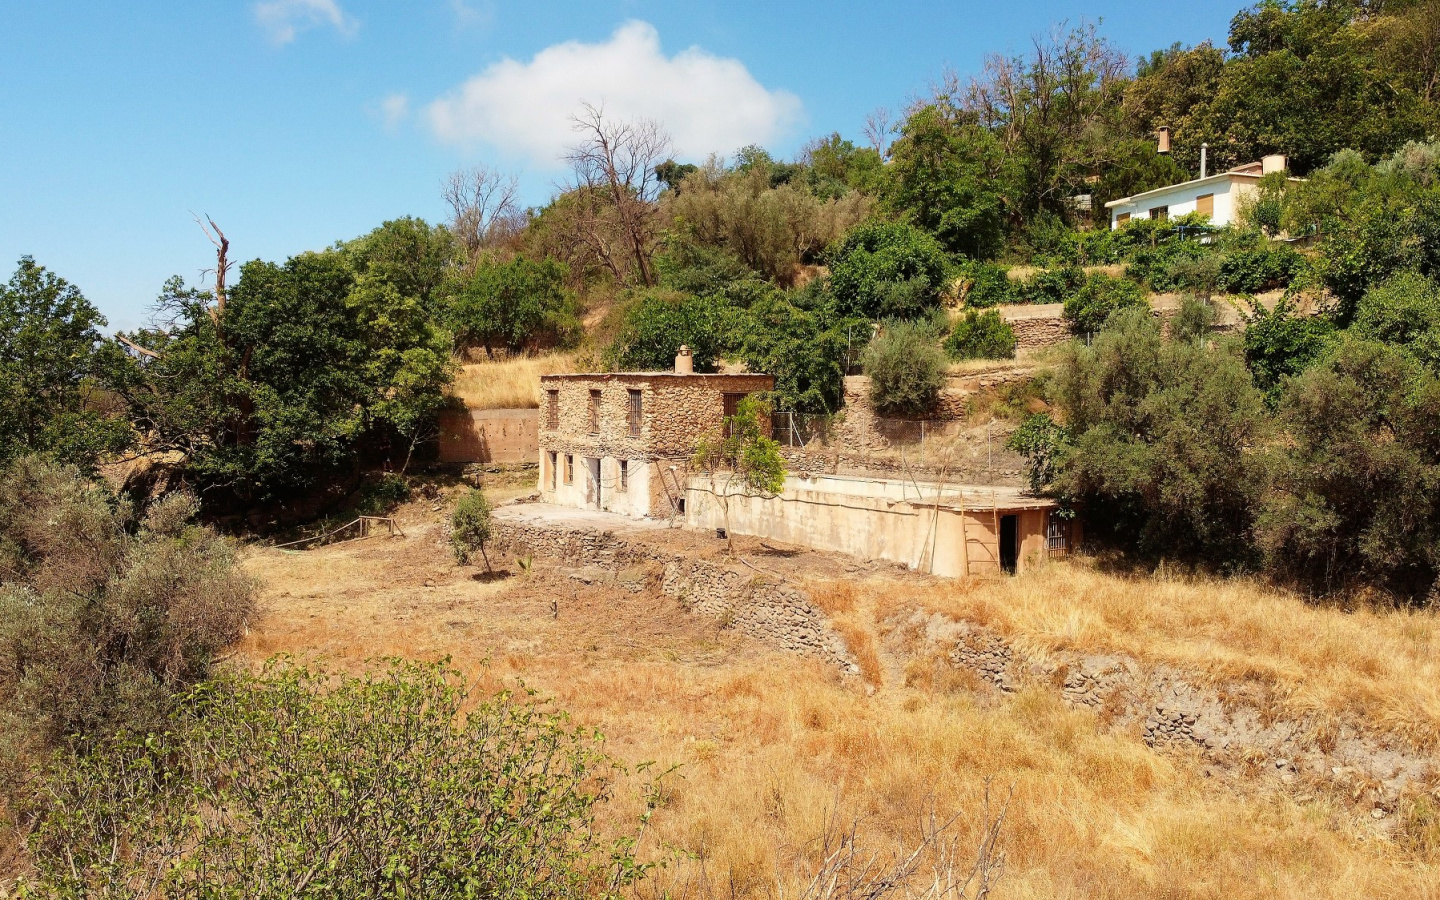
column 879, row 126
column 484, row 207
column 221, row 270
column 614, row 163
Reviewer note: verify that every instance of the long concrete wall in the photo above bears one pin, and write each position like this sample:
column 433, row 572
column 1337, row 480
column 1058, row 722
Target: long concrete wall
column 489, row 435
column 949, row 533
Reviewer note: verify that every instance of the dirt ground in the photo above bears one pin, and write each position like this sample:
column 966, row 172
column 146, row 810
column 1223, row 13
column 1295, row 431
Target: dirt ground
column 773, row 750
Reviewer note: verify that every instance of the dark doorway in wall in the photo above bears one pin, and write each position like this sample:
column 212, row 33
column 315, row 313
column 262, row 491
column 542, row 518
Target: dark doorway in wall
column 1009, row 543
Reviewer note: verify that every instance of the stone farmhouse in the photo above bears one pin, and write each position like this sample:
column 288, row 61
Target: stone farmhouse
column 622, row 443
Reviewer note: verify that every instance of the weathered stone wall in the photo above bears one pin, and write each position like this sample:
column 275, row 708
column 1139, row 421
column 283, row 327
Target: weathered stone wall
column 776, row 614
column 676, row 411
column 1037, row 326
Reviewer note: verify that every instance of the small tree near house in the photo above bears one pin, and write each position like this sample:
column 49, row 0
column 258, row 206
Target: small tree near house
column 470, row 527
column 741, row 459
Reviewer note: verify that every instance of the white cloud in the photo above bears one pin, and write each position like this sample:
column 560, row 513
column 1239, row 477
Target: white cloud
column 394, row 109
column 707, row 103
column 283, row 20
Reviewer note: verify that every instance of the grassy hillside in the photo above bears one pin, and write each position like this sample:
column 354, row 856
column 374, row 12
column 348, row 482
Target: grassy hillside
column 774, row 751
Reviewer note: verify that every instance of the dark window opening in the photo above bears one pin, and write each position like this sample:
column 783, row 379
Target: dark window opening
column 732, row 409
column 636, row 410
column 554, row 464
column 1009, row 543
column 1160, row 212
column 624, row 475
column 552, row 409
column 569, row 469
column 594, row 411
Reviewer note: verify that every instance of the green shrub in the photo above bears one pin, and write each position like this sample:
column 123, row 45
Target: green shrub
column 294, row 784
column 1194, row 320
column 1161, row 442
column 471, row 527
column 1259, row 269
column 1051, row 285
column 658, row 322
column 1100, row 297
column 989, row 285
column 1404, row 311
column 514, row 305
column 981, row 335
column 103, row 619
column 906, row 369
column 1280, row 344
column 883, row 270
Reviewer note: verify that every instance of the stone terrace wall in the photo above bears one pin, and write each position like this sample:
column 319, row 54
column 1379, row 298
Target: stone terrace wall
column 775, row 614
column 1037, row 326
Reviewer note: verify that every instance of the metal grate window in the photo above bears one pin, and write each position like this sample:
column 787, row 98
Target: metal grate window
column 594, row 412
column 552, row 409
column 636, row 411
column 624, row 474
column 554, row 464
column 569, row 469
column 1057, row 535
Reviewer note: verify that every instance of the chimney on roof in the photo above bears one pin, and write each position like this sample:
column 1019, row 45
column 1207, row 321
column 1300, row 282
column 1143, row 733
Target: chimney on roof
column 1276, row 162
column 1163, row 138
column 684, row 361
column 1204, row 150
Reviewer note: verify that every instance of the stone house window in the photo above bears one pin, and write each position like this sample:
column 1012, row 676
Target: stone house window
column 637, row 409
column 624, row 475
column 554, row 464
column 594, row 412
column 732, row 407
column 569, row 469
column 552, row 409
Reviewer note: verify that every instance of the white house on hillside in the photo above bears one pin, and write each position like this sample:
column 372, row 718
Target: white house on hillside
column 1217, row 196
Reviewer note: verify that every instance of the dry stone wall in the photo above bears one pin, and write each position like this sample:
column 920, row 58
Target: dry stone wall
column 1234, row 726
column 776, row 614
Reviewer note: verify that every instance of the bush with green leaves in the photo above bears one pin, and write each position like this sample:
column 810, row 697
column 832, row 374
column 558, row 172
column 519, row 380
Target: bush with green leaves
column 741, row 458
column 1161, row 440
column 988, row 284
column 981, row 335
column 1404, row 311
column 516, row 305
column 1098, row 299
column 1259, row 269
column 658, row 322
column 105, row 616
column 471, row 527
column 1194, row 320
column 1356, row 491
column 906, row 368
column 51, row 354
column 802, row 345
column 1051, row 285
column 1280, row 343
column 1163, row 267
column 887, row 270
column 297, row 784
column 1040, row 440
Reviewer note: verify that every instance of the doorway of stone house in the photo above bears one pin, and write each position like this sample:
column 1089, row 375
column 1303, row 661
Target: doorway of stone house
column 1009, row 543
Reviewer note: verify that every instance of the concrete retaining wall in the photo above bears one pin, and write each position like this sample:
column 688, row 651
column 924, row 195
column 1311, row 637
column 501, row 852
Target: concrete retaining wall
column 489, row 435
column 776, row 614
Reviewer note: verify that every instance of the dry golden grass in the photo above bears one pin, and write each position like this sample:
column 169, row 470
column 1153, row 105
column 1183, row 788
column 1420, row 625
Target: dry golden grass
column 511, row 383
column 1378, row 666
column 770, row 744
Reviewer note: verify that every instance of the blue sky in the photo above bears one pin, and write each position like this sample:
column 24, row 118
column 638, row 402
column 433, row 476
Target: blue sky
column 296, row 123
